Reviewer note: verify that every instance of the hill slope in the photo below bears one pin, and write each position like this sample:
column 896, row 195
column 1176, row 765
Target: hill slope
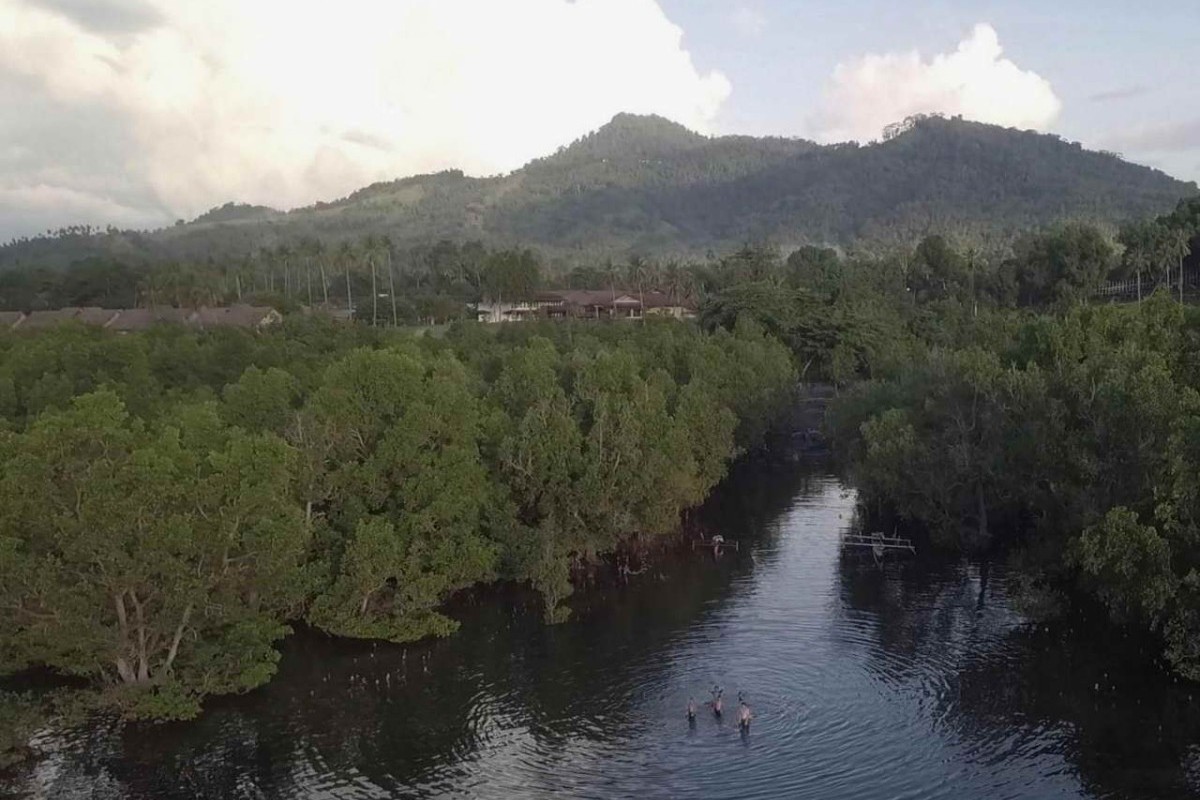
column 647, row 185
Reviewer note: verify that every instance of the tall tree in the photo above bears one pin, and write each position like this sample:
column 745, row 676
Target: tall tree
column 346, row 255
column 163, row 560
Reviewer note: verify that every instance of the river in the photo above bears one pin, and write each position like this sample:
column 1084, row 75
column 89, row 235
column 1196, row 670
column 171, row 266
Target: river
column 910, row 679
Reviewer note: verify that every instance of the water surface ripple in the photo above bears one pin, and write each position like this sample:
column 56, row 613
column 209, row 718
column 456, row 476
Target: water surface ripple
column 910, row 679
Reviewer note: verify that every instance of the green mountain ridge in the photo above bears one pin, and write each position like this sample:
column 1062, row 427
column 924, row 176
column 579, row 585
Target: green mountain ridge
column 646, row 185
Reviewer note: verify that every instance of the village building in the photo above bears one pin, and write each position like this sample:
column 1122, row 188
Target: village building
column 586, row 304
column 498, row 311
column 124, row 320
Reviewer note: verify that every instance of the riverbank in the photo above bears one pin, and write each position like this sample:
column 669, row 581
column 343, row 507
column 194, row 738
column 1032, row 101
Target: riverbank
column 180, row 496
column 1069, row 440
column 916, row 678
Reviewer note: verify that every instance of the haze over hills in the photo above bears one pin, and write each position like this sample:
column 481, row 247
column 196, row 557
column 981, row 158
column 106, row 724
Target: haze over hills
column 649, row 186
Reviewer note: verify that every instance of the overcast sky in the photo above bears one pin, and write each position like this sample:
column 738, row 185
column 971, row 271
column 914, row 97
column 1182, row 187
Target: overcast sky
column 138, row 112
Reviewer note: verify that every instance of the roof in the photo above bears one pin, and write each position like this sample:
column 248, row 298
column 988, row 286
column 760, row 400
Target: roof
column 139, row 319
column 47, row 319
column 608, row 298
column 92, row 315
column 237, row 316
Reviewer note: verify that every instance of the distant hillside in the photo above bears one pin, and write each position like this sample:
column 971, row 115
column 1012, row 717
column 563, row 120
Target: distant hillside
column 646, row 185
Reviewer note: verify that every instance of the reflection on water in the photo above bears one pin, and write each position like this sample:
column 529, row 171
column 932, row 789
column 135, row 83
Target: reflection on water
column 910, row 679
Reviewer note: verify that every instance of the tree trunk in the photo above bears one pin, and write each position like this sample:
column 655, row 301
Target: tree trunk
column 324, row 282
column 374, row 295
column 174, row 651
column 143, row 660
column 983, row 514
column 308, row 280
column 392, row 289
column 237, row 279
column 124, row 669
column 349, row 295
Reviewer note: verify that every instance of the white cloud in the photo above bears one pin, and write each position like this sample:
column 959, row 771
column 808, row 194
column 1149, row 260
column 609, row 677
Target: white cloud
column 284, row 103
column 748, row 21
column 975, row 81
column 1157, row 137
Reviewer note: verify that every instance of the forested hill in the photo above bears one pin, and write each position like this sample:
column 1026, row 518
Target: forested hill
column 646, row 185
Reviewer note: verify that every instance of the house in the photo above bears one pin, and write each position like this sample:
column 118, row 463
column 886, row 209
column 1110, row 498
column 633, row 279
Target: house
column 140, row 319
column 10, row 319
column 586, row 304
column 489, row 311
column 661, row 304
column 38, row 320
column 236, row 316
column 124, row 320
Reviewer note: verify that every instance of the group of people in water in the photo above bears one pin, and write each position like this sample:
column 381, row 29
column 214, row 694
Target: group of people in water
column 717, row 704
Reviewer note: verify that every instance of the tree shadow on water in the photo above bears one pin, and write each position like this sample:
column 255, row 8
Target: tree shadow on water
column 1082, row 693
column 343, row 717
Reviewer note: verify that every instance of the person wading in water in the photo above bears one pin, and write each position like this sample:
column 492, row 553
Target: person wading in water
column 717, row 704
column 744, row 714
column 691, row 710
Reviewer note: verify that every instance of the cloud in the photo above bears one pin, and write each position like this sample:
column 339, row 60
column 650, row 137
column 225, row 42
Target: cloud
column 29, row 206
column 1123, row 93
column 748, row 21
column 1172, row 137
column 156, row 109
column 105, row 16
column 975, row 81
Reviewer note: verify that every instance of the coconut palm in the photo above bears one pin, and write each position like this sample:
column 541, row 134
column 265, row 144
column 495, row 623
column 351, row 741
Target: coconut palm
column 1176, row 246
column 386, row 245
column 317, row 248
column 370, row 249
column 346, row 255
column 638, row 272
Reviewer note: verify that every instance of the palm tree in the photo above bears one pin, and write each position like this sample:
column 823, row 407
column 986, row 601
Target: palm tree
column 370, row 248
column 345, row 254
column 1177, row 247
column 283, row 254
column 317, row 248
column 305, row 251
column 236, row 270
column 266, row 260
column 386, row 243
column 150, row 286
column 1138, row 241
column 612, row 270
column 672, row 281
column 638, row 271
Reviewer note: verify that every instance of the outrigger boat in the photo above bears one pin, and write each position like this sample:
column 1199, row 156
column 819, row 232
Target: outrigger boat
column 879, row 542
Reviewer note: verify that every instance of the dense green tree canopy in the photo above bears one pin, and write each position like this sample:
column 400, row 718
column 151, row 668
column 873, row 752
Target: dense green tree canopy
column 171, row 500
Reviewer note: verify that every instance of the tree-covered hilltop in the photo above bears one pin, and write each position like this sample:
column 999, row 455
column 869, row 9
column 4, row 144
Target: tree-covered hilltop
column 170, row 501
column 386, row 284
column 646, row 186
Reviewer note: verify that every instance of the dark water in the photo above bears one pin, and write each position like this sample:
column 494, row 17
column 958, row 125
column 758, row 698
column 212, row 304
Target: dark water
column 910, row 680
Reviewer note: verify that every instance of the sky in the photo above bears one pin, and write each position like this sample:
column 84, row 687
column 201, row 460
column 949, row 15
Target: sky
column 136, row 113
